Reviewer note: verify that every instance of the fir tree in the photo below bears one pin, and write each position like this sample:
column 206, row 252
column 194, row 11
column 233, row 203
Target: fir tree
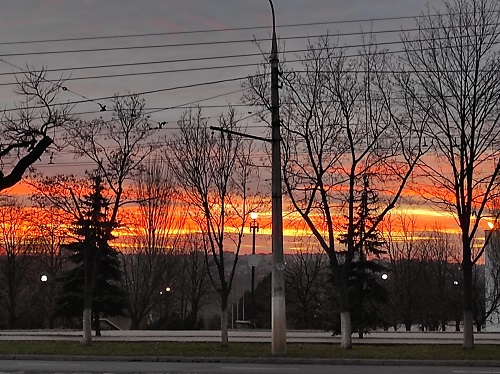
column 365, row 291
column 95, row 262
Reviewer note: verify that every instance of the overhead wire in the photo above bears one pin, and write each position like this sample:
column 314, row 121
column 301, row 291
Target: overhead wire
column 86, row 99
column 211, row 43
column 323, row 23
column 194, row 69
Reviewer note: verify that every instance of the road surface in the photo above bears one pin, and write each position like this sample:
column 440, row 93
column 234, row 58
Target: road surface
column 112, row 367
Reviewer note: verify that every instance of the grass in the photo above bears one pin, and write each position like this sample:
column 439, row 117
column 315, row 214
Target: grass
column 250, row 350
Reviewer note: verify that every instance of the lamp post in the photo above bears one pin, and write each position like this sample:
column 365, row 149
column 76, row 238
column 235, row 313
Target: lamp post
column 254, row 226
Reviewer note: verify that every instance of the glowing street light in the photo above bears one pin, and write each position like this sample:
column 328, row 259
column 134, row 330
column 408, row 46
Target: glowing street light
column 385, row 276
column 44, row 278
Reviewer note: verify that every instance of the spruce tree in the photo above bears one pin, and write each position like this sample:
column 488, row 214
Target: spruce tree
column 95, row 262
column 365, row 291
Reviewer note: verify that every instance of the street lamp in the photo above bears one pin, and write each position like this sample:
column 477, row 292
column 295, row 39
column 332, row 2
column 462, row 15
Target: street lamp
column 385, row 276
column 254, row 226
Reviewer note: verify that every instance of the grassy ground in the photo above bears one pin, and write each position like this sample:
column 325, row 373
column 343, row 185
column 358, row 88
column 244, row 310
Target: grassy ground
column 249, row 350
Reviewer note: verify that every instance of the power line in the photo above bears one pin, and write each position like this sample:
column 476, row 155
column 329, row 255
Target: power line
column 126, row 36
column 64, row 88
column 207, row 83
column 121, row 75
column 186, row 59
column 290, row 25
column 156, row 46
column 218, row 42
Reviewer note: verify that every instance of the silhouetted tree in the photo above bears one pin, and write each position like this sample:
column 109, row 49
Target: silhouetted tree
column 452, row 86
column 94, row 283
column 305, row 275
column 367, row 295
column 214, row 171
column 153, row 239
column 17, row 252
column 26, row 132
column 364, row 289
column 117, row 148
column 405, row 261
column 338, row 125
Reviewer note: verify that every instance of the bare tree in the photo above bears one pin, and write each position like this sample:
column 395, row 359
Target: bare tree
column 153, row 239
column 405, row 259
column 51, row 233
column 439, row 255
column 117, row 148
column 339, row 129
column 453, row 82
column 305, row 275
column 17, row 252
column 193, row 288
column 491, row 311
column 26, row 132
column 214, row 172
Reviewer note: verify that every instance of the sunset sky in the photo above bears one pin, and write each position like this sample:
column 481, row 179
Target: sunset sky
column 172, row 54
column 177, row 67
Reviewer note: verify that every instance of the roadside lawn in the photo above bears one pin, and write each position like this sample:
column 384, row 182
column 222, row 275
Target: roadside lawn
column 250, row 350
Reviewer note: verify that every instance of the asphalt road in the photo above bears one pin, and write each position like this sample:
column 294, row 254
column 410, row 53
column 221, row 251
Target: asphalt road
column 111, row 367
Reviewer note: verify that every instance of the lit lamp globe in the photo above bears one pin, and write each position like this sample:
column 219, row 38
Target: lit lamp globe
column 44, row 278
column 254, row 215
column 385, row 276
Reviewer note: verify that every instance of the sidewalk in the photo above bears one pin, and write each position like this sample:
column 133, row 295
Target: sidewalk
column 256, row 336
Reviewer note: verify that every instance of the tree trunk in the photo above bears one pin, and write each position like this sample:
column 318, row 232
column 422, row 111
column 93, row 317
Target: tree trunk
column 468, row 330
column 408, row 325
column 345, row 330
column 224, row 321
column 468, row 337
column 87, row 301
column 345, row 314
column 97, row 324
column 87, row 330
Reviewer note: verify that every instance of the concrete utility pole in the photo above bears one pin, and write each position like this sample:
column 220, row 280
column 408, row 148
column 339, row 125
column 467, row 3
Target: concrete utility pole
column 278, row 315
column 278, row 345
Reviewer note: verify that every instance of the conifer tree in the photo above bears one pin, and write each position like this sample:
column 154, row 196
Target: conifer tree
column 365, row 291
column 94, row 281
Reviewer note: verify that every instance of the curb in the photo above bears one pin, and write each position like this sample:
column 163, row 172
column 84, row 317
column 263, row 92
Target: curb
column 261, row 360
